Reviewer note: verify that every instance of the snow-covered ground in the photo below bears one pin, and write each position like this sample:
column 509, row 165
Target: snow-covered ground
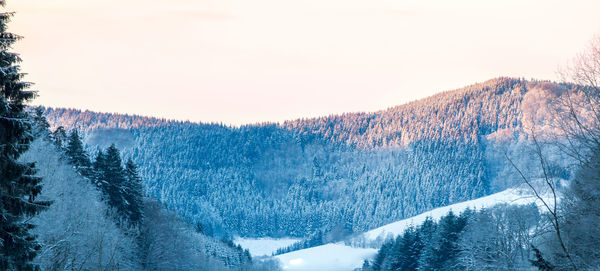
column 516, row 196
column 329, row 257
column 340, row 257
column 264, row 246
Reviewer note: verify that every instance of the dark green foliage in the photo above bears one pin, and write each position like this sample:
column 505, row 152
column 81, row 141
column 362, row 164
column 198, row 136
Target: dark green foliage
column 497, row 238
column 407, row 249
column 539, row 262
column 18, row 185
column 41, row 125
column 120, row 185
column 59, row 137
column 430, row 246
column 134, row 193
column 77, row 155
column 110, row 177
column 316, row 239
column 442, row 251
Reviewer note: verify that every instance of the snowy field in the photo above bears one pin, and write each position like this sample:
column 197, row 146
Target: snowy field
column 329, row 257
column 340, row 257
column 264, row 246
column 514, row 196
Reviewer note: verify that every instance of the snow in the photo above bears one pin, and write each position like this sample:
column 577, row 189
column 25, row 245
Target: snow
column 341, row 257
column 264, row 246
column 514, row 196
column 329, row 257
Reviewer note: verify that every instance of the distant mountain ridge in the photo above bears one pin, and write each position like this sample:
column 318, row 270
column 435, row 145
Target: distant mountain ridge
column 462, row 114
column 392, row 127
column 336, row 174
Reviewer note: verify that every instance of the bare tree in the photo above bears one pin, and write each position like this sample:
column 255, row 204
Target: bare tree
column 576, row 120
column 548, row 195
column 578, row 110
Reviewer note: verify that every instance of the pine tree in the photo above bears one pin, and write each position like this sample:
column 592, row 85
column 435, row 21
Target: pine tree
column 112, row 179
column 18, row 186
column 42, row 127
column 134, row 192
column 59, row 136
column 77, row 155
column 539, row 262
column 99, row 167
column 430, row 255
column 409, row 249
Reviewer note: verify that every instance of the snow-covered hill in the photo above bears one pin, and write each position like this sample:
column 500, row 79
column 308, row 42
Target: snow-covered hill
column 517, row 196
column 343, row 257
column 356, row 169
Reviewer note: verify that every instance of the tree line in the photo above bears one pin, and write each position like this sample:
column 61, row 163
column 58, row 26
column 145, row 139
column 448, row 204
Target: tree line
column 498, row 238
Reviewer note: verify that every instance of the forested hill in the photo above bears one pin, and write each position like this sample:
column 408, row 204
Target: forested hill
column 332, row 175
column 464, row 114
column 89, row 120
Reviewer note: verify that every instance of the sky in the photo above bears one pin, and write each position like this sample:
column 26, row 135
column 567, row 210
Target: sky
column 240, row 61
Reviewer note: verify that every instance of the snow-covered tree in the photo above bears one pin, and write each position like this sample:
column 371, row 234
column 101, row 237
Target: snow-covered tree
column 18, row 185
column 75, row 232
column 573, row 214
column 77, row 155
column 499, row 238
column 134, row 193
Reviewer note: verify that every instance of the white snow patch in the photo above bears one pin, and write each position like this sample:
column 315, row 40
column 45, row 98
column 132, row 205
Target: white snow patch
column 329, row 257
column 513, row 196
column 341, row 257
column 264, row 246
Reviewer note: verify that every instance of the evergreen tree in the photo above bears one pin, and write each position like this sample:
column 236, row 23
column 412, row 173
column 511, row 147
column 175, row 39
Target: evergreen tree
column 366, row 266
column 59, row 136
column 111, row 179
column 77, row 155
column 134, row 192
column 99, row 167
column 427, row 231
column 122, row 187
column 410, row 247
column 539, row 262
column 42, row 127
column 382, row 255
column 18, row 186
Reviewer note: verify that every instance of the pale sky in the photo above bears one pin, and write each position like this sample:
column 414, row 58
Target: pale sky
column 241, row 61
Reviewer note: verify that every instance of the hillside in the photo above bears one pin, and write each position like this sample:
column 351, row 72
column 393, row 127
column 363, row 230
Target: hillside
column 337, row 174
column 79, row 232
column 350, row 254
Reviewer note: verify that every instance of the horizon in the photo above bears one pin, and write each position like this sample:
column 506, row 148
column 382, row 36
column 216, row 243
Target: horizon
column 272, row 135
column 236, row 125
column 236, row 63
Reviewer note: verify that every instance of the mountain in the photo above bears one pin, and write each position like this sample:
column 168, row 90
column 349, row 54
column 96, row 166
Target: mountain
column 337, row 174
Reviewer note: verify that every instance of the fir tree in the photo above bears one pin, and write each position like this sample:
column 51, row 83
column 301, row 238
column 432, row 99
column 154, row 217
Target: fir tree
column 134, row 192
column 99, row 167
column 410, row 247
column 42, row 127
column 77, row 155
column 18, row 186
column 111, row 178
column 122, row 187
column 539, row 262
column 59, row 136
